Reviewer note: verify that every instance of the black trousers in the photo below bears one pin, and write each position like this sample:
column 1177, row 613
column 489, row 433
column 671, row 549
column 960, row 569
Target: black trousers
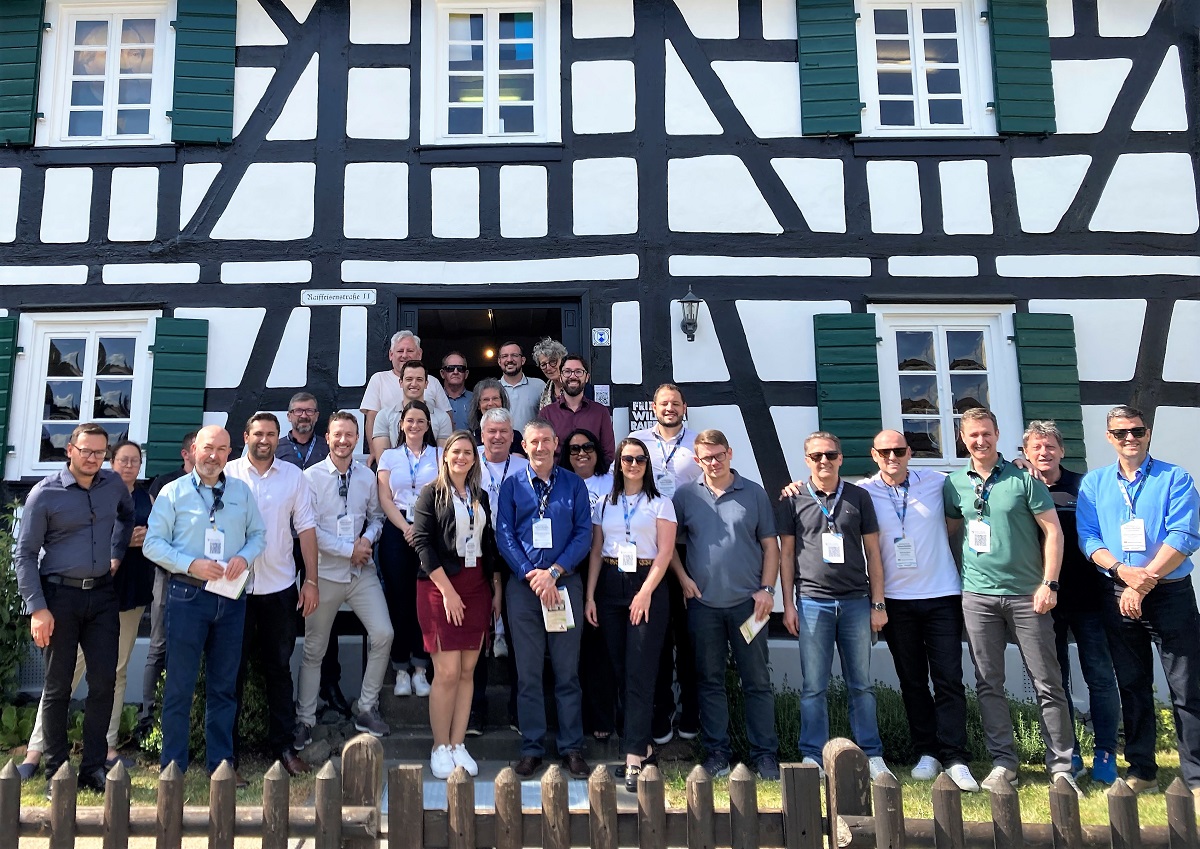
column 398, row 566
column 269, row 637
column 925, row 639
column 89, row 619
column 479, row 699
column 596, row 676
column 678, row 664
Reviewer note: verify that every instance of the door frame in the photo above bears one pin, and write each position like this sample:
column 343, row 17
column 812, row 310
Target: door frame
column 574, row 300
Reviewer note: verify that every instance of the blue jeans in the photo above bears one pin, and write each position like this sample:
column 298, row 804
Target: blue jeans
column 714, row 631
column 1095, row 661
column 846, row 623
column 201, row 623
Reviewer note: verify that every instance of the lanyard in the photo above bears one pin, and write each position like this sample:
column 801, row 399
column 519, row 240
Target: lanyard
column 629, row 513
column 1138, row 485
column 901, row 511
column 466, row 503
column 218, row 492
column 662, row 447
column 828, row 511
column 412, row 466
column 493, row 486
column 983, row 489
column 344, row 488
column 544, row 497
column 312, row 443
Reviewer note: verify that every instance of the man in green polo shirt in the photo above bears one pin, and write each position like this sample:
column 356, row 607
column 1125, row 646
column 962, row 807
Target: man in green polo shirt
column 1010, row 584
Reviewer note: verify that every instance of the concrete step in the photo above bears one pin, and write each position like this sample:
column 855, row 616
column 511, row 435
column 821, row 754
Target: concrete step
column 414, row 745
column 413, row 711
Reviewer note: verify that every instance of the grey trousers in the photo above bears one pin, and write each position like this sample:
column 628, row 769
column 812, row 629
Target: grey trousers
column 993, row 621
column 156, row 654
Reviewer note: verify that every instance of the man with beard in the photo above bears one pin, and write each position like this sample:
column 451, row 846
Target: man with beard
column 523, row 392
column 282, row 495
column 303, row 446
column 414, row 380
column 384, row 391
column 574, row 410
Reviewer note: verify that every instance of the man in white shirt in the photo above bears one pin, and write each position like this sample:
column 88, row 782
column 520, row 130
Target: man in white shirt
column 283, row 500
column 524, row 393
column 414, row 381
column 384, row 391
column 345, row 502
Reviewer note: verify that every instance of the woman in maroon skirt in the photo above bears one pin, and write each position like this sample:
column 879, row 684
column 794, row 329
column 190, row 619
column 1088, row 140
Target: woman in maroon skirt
column 458, row 594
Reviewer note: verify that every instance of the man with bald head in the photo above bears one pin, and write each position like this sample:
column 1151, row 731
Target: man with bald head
column 204, row 527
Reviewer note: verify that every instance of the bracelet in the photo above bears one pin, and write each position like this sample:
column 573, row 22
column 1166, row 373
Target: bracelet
column 311, row 582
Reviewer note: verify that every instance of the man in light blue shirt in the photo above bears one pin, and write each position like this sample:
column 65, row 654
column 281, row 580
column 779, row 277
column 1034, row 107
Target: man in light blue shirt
column 1139, row 522
column 203, row 527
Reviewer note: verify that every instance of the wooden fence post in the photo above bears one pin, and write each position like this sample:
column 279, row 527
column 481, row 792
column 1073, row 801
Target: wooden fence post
column 947, row 814
column 222, row 807
column 406, row 807
column 1066, row 827
column 848, row 784
column 743, row 808
column 329, row 808
column 1123, row 819
column 460, row 804
column 116, row 808
column 277, row 788
column 801, row 787
column 652, row 809
column 62, row 807
column 362, row 782
column 510, row 827
column 10, row 805
column 701, row 826
column 602, row 809
column 889, row 813
column 1006, row 818
column 1181, row 816
column 170, row 808
column 556, row 814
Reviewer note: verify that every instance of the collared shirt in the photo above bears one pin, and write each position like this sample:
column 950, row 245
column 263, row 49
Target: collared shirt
column 493, row 476
column 175, row 534
column 384, row 391
column 283, row 500
column 1015, row 565
column 1167, row 503
column 81, row 530
column 305, row 456
column 671, row 456
column 1083, row 586
column 935, row 574
column 523, row 399
column 632, row 520
column 461, row 407
column 800, row 516
column 569, row 511
column 408, row 473
column 361, row 504
column 591, row 415
column 387, row 423
column 724, row 538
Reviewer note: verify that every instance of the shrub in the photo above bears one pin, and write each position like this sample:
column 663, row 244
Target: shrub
column 14, row 627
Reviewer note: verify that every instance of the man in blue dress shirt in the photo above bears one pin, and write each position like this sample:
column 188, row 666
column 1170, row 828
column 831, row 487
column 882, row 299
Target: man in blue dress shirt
column 544, row 531
column 203, row 527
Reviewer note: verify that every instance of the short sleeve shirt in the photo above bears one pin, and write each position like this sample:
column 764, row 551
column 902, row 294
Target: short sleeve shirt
column 408, row 473
column 642, row 530
column 935, row 574
column 853, row 517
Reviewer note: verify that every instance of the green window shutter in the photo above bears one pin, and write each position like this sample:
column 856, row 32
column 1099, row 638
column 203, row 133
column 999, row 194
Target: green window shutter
column 177, row 389
column 8, row 357
column 20, row 46
column 1050, row 377
column 848, row 385
column 829, row 99
column 1021, row 66
column 204, row 61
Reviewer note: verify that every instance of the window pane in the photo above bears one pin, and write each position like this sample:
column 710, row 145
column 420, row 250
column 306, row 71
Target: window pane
column 54, row 442
column 133, row 122
column 516, row 25
column 924, row 436
column 137, row 60
column 891, row 52
column 918, row 394
column 133, row 91
column 115, row 355
column 466, row 27
column 466, row 57
column 945, row 112
column 88, row 63
column 895, row 83
column 66, row 358
column 891, row 21
column 941, row 50
column 87, row 93
column 63, row 398
column 140, row 31
column 112, row 399
column 938, row 20
column 942, row 81
column 970, row 391
column 85, row 124
column 516, row 57
column 516, row 87
column 91, row 32
column 465, row 122
column 914, row 350
column 897, row 113
column 516, row 119
column 966, row 351
column 466, row 89
column 960, row 448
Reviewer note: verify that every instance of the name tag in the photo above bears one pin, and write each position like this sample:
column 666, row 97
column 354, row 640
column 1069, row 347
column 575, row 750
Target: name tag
column 543, row 534
column 832, row 548
column 471, row 554
column 665, row 481
column 410, row 513
column 214, row 544
column 1133, row 535
column 627, row 556
column 979, row 536
column 345, row 527
column 906, row 554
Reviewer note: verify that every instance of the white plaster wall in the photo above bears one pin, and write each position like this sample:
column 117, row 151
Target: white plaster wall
column 377, row 103
column 352, row 347
column 604, row 196
column 1149, row 192
column 249, row 85
column 215, row 417
column 603, row 98
column 1108, row 334
column 1095, row 440
column 602, row 18
column 298, row 119
column 300, row 9
column 10, row 196
column 768, row 266
column 626, row 350
column 727, row 418
column 766, row 93
column 1061, row 17
column 780, row 335
column 699, row 361
column 933, row 266
column 375, row 203
column 895, row 197
column 779, row 19
column 290, row 367
column 67, row 205
column 620, row 419
column 687, row 112
column 37, row 275
column 437, row 272
column 716, row 194
column 197, row 177
column 1125, row 18
column 1095, row 265
column 455, row 203
column 1163, row 108
column 280, row 271
column 232, row 332
column 792, row 425
column 151, row 272
column 380, row 21
column 710, row 18
column 1173, row 438
column 1045, row 187
column 1084, row 92
column 133, row 205
column 819, row 189
column 274, row 201
column 966, row 199
column 523, row 201
column 255, row 27
column 1182, row 361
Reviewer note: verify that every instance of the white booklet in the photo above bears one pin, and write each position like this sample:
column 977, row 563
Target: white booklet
column 752, row 626
column 561, row 617
column 227, row 587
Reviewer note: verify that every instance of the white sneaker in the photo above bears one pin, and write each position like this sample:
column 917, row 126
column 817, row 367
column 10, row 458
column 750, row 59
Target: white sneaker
column 997, row 777
column 403, row 684
column 815, row 763
column 960, row 774
column 463, row 758
column 878, row 768
column 1068, row 779
column 420, row 685
column 441, row 762
column 927, row 769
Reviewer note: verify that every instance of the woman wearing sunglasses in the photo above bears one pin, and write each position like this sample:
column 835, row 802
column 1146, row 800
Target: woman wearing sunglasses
column 633, row 538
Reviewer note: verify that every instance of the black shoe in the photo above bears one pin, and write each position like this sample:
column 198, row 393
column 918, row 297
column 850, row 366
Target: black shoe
column 333, row 697
column 94, row 780
column 574, row 763
column 475, row 726
column 631, row 777
column 527, row 765
column 302, row 736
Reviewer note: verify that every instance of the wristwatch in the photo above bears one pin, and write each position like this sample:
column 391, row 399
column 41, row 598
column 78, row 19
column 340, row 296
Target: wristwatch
column 556, row 572
column 1053, row 585
column 878, row 605
column 1111, row 571
column 768, row 590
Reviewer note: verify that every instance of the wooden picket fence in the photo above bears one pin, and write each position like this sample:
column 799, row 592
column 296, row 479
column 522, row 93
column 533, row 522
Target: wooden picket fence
column 347, row 813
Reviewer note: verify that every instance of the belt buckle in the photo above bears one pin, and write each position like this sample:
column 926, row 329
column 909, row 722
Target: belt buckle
column 87, row 583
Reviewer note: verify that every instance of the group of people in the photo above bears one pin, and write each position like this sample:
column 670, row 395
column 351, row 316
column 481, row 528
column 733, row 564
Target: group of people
column 510, row 509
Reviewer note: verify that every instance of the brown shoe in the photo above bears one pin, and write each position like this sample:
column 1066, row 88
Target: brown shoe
column 574, row 763
column 527, row 765
column 239, row 782
column 293, row 764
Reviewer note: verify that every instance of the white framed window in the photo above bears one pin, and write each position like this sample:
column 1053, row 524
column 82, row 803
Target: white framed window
column 490, row 72
column 925, row 68
column 107, row 73
column 74, row 368
column 938, row 360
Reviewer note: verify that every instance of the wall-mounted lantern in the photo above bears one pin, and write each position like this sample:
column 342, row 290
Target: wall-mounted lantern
column 691, row 314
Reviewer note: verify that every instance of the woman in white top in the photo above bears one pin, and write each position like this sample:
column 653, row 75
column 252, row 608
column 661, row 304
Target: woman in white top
column 403, row 472
column 582, row 456
column 633, row 538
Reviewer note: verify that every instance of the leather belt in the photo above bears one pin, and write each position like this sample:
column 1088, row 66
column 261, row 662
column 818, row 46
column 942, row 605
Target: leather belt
column 79, row 583
column 642, row 562
column 188, row 579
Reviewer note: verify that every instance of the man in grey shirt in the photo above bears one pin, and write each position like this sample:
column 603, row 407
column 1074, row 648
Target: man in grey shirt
column 524, row 393
column 733, row 560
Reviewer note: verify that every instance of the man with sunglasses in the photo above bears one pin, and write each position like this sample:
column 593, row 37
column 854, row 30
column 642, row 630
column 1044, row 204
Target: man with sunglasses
column 1138, row 522
column 832, row 580
column 573, row 410
column 1010, row 584
column 454, row 381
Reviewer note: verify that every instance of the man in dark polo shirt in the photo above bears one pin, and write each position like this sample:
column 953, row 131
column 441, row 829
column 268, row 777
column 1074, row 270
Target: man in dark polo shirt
column 82, row 517
column 733, row 561
column 829, row 538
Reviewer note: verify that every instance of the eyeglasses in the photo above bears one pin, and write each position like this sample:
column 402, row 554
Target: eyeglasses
column 582, row 448
column 574, row 372
column 91, row 453
column 547, row 364
column 1121, row 432
column 454, row 368
column 816, row 456
column 891, row 452
column 712, row 459
column 634, row 460
column 303, row 412
column 128, row 461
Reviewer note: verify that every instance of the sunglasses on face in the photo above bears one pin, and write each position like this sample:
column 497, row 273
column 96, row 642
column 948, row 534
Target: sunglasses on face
column 828, row 455
column 583, row 448
column 891, row 452
column 455, row 368
column 1122, row 432
column 632, row 460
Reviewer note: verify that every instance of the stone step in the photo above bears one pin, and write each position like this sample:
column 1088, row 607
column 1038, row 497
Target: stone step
column 413, row 711
column 415, row 744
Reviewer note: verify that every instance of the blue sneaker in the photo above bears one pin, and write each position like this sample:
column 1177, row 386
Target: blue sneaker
column 1104, row 767
column 1077, row 767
